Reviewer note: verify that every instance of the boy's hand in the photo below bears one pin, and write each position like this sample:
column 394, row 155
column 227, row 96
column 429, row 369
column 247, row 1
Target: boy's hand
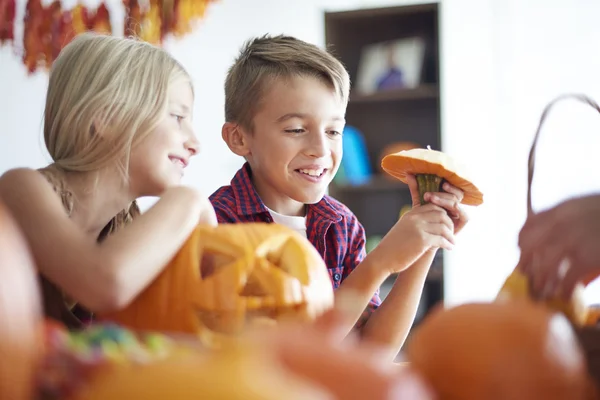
column 421, row 229
column 424, row 228
column 449, row 200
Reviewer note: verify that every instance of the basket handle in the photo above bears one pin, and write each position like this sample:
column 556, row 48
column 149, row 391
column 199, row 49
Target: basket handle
column 581, row 97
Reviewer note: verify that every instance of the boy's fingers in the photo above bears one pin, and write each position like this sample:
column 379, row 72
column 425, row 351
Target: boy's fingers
column 450, row 203
column 439, row 241
column 414, row 190
column 447, row 201
column 454, row 190
column 432, row 213
column 461, row 221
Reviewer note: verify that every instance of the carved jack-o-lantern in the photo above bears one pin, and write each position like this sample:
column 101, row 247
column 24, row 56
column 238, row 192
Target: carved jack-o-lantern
column 228, row 277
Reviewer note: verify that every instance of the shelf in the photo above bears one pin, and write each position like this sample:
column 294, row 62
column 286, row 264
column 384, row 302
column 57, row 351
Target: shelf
column 378, row 183
column 389, row 116
column 434, row 275
column 420, row 93
column 374, row 13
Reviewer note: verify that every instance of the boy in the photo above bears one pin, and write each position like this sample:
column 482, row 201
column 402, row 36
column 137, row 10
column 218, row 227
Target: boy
column 285, row 103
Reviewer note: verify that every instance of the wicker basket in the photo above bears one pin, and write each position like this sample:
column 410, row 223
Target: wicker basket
column 589, row 336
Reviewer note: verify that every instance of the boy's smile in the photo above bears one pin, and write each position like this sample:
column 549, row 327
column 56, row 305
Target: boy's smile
column 295, row 146
column 314, row 173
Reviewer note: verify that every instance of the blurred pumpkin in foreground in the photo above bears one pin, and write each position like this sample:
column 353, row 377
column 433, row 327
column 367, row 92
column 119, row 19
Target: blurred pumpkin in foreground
column 508, row 350
column 154, row 367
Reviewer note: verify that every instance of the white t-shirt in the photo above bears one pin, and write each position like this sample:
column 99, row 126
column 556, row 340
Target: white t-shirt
column 296, row 223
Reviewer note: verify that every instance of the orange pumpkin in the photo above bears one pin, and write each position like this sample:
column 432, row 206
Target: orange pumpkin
column 431, row 168
column 516, row 286
column 20, row 313
column 230, row 276
column 236, row 373
column 508, row 350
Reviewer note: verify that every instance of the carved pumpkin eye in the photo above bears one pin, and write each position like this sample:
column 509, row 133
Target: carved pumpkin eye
column 230, row 276
column 211, row 262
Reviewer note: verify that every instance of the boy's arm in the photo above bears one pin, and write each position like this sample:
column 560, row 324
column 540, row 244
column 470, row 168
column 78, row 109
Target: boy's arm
column 391, row 322
column 384, row 323
column 405, row 249
column 358, row 295
column 355, row 256
column 365, row 274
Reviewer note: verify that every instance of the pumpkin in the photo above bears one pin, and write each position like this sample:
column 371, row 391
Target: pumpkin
column 431, row 168
column 239, row 375
column 133, row 365
column 516, row 286
column 228, row 277
column 20, row 313
column 510, row 350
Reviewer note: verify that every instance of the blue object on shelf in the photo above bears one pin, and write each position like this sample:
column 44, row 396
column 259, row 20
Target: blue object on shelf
column 357, row 168
column 340, row 176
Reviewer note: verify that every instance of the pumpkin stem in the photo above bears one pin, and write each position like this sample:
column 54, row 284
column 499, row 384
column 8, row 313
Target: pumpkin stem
column 428, row 183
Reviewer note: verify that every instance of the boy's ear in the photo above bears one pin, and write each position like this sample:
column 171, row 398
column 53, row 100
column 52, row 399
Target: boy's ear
column 236, row 139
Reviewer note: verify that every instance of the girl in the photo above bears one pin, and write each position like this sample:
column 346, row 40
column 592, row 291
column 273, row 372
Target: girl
column 117, row 126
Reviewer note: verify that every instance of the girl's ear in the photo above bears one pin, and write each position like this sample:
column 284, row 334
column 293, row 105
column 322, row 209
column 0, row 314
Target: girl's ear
column 236, row 138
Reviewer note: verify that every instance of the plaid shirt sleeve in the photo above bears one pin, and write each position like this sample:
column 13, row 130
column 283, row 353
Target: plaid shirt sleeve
column 224, row 215
column 224, row 204
column 355, row 255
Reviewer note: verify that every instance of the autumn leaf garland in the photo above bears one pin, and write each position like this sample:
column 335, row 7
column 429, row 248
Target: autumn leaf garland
column 47, row 29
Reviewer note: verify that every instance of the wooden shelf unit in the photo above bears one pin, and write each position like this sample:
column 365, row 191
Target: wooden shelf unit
column 387, row 117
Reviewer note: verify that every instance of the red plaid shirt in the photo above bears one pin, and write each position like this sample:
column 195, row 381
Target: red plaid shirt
column 330, row 226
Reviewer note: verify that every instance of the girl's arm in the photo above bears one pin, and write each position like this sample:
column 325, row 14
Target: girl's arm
column 106, row 276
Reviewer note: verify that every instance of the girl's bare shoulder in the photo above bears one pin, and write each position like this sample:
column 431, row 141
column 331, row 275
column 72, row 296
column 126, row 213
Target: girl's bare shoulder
column 31, row 191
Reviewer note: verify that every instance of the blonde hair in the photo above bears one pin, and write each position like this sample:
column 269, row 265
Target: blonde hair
column 105, row 94
column 263, row 59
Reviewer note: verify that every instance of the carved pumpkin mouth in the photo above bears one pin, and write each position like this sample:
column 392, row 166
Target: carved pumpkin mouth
column 253, row 282
column 232, row 323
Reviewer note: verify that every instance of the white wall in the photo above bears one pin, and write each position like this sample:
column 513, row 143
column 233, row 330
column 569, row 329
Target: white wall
column 502, row 60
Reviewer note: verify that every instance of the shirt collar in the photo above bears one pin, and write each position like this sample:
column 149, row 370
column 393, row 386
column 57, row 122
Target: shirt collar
column 248, row 202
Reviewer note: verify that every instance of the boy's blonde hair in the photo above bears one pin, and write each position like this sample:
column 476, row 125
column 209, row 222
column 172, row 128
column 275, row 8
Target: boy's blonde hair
column 267, row 58
column 105, row 94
